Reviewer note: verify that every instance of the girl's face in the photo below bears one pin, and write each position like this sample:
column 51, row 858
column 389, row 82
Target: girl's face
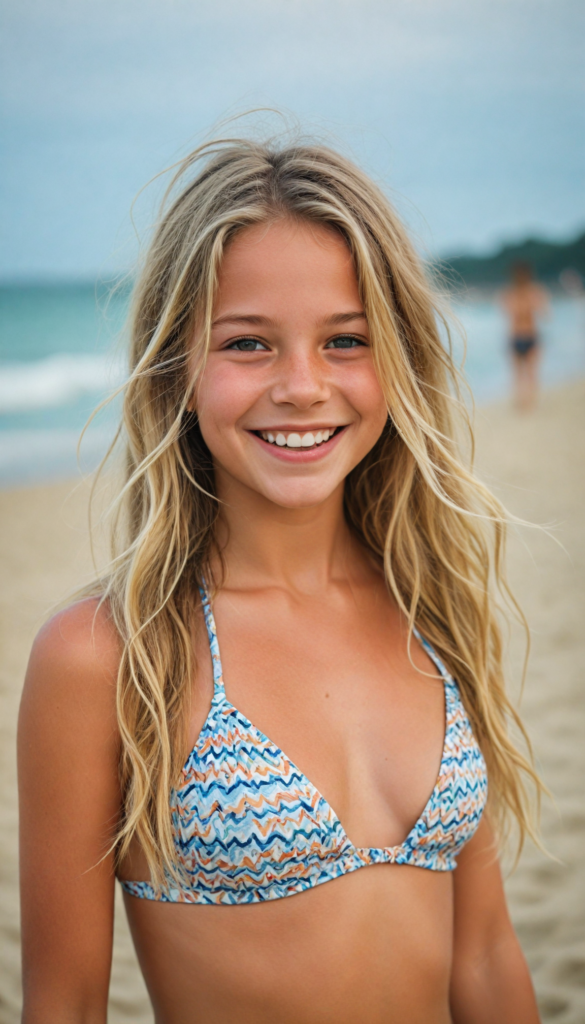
column 289, row 401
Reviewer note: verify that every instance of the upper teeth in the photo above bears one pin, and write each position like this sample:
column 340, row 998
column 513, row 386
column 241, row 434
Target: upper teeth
column 297, row 440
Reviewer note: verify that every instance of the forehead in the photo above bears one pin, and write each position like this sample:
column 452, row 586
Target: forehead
column 286, row 262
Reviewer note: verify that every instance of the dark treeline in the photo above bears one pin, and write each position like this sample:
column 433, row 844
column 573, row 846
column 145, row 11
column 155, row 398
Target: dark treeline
column 547, row 259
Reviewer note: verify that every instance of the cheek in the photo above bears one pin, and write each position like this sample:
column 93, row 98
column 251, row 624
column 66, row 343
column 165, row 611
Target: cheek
column 224, row 395
column 363, row 391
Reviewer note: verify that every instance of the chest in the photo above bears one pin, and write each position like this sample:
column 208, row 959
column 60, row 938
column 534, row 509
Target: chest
column 332, row 685
column 523, row 303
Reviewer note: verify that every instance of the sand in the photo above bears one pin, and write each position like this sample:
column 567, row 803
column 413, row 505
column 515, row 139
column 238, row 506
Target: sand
column 536, row 464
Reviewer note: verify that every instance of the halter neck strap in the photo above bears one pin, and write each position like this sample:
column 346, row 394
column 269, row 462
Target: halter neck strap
column 446, row 675
column 218, row 686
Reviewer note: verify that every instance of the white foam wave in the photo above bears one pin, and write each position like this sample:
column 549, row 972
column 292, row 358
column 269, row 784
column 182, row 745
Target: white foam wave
column 56, row 380
column 34, row 455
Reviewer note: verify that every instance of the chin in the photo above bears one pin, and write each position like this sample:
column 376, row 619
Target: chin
column 299, row 497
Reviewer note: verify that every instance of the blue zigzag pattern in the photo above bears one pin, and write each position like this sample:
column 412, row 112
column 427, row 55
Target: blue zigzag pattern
column 249, row 826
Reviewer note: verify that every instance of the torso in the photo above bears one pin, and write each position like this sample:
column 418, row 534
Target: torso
column 523, row 304
column 340, row 696
column 373, row 946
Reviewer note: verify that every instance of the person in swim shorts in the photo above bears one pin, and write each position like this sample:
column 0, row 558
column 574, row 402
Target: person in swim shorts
column 524, row 302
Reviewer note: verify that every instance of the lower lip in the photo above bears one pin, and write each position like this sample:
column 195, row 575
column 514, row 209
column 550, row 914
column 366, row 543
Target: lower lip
column 300, row 455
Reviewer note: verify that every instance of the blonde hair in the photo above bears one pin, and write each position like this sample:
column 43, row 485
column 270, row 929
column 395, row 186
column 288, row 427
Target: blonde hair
column 437, row 531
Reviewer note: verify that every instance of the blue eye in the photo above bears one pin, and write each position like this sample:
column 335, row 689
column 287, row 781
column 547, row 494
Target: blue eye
column 344, row 341
column 248, row 345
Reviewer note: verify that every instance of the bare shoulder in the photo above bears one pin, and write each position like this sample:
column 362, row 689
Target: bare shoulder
column 86, row 626
column 72, row 671
column 81, row 637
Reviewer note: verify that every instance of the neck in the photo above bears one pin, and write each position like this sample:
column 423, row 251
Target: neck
column 264, row 544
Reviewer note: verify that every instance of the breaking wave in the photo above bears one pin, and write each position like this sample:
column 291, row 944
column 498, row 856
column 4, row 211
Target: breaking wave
column 56, row 380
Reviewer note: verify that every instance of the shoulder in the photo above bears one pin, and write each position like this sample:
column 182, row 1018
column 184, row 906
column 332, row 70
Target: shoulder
column 73, row 667
column 81, row 636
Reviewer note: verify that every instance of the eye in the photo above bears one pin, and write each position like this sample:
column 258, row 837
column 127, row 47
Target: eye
column 344, row 341
column 247, row 345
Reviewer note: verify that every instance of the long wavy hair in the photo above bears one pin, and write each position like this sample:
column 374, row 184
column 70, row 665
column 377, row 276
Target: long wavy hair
column 438, row 533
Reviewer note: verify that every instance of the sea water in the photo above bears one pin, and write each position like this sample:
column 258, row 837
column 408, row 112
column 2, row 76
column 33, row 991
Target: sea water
column 62, row 352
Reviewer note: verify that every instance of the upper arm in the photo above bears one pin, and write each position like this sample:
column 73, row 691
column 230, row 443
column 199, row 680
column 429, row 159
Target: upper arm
column 480, row 906
column 544, row 302
column 68, row 748
column 490, row 979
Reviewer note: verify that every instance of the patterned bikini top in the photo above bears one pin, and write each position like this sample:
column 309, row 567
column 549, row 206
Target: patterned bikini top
column 248, row 826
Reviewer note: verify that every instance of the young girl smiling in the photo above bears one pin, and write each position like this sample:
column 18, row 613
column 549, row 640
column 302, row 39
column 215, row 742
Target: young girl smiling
column 277, row 715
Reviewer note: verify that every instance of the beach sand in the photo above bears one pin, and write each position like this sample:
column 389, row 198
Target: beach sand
column 536, row 463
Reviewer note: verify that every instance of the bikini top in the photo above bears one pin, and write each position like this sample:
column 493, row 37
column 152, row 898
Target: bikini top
column 248, row 826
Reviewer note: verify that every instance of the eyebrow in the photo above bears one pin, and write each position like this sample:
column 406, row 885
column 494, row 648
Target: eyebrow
column 243, row 318
column 265, row 321
column 345, row 318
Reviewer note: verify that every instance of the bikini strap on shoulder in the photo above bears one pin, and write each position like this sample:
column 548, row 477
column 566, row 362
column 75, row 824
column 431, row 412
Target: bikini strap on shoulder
column 430, row 650
column 218, row 685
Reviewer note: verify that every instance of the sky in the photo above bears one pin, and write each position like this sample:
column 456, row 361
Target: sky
column 470, row 113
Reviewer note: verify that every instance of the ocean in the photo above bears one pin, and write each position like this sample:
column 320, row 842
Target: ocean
column 62, row 352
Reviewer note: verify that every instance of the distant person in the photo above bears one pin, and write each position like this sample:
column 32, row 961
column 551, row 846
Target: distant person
column 525, row 301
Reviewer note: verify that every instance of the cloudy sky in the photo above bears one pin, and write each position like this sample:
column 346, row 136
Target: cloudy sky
column 471, row 112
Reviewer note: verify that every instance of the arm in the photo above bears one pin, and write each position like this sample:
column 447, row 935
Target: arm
column 69, row 806
column 543, row 304
column 490, row 982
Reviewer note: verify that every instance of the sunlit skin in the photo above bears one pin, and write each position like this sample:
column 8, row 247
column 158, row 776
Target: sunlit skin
column 315, row 654
column 305, row 366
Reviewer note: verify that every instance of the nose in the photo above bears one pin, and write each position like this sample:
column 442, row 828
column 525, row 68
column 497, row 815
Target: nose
column 302, row 379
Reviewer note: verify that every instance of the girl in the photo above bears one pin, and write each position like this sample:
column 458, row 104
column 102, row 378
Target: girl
column 275, row 717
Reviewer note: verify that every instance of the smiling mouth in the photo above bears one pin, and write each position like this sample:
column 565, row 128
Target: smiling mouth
column 293, row 439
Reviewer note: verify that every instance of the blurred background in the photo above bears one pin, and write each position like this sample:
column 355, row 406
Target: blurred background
column 471, row 116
